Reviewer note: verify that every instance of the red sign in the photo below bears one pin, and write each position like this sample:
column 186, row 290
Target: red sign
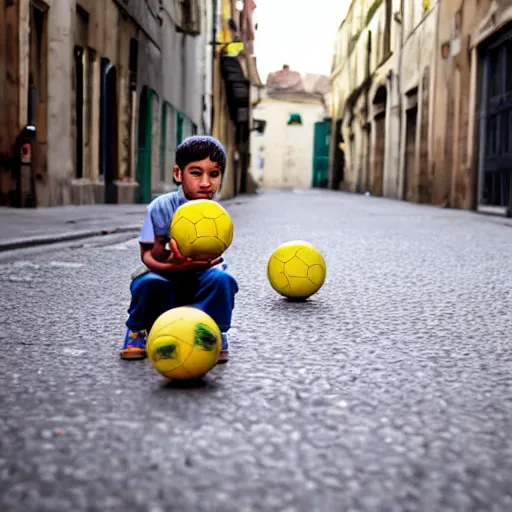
column 26, row 153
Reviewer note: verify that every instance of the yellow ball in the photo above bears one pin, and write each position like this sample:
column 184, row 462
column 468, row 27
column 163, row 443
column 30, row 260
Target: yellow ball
column 296, row 270
column 202, row 229
column 184, row 343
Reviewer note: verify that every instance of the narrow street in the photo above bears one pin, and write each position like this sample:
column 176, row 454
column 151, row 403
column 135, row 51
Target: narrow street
column 389, row 390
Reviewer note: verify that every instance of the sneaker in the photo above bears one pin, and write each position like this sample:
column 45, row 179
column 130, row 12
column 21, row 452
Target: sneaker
column 134, row 345
column 224, row 353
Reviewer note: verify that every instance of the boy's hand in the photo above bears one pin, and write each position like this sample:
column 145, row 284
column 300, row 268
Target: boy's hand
column 184, row 264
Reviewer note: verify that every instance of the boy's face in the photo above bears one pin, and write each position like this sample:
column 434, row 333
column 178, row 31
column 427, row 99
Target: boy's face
column 200, row 180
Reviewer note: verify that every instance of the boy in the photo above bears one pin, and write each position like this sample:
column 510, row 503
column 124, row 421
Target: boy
column 171, row 280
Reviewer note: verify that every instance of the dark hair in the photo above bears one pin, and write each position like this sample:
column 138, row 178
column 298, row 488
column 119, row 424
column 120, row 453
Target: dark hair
column 199, row 147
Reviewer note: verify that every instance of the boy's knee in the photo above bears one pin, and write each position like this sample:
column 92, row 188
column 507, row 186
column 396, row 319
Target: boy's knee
column 230, row 282
column 149, row 281
column 225, row 281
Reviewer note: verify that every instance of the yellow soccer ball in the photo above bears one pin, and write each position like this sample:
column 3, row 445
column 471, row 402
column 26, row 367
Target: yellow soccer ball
column 202, row 229
column 296, row 270
column 184, row 343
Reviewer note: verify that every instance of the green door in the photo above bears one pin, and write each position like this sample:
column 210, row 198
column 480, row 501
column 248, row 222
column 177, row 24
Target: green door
column 321, row 154
column 143, row 176
column 179, row 128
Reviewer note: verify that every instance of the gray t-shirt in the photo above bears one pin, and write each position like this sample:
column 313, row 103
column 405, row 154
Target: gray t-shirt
column 159, row 215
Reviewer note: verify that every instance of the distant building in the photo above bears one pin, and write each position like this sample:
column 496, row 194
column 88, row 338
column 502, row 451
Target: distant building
column 290, row 108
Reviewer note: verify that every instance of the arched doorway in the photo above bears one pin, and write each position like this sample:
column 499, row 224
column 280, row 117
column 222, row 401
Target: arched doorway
column 108, row 130
column 144, row 149
column 379, row 149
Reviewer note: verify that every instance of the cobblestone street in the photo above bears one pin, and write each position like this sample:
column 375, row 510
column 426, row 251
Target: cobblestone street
column 389, row 390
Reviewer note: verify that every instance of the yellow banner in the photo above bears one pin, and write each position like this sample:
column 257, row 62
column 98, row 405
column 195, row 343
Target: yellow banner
column 225, row 33
column 233, row 49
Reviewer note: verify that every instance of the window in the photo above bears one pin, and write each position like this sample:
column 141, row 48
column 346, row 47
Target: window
column 294, row 119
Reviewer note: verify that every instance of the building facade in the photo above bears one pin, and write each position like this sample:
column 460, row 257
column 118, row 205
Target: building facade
column 235, row 80
column 365, row 117
column 473, row 140
column 417, row 102
column 104, row 91
column 447, row 140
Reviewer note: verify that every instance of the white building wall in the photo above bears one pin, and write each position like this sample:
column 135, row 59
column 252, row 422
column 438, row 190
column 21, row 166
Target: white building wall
column 283, row 155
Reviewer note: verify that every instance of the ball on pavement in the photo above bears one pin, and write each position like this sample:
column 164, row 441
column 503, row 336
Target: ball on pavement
column 202, row 229
column 184, row 343
column 296, row 270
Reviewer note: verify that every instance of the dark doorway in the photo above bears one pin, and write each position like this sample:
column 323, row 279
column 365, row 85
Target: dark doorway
column 410, row 153
column 379, row 150
column 377, row 185
column 496, row 188
column 79, row 111
column 108, row 130
column 338, row 167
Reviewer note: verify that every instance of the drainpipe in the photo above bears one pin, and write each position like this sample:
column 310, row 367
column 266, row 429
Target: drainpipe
column 401, row 168
column 367, row 121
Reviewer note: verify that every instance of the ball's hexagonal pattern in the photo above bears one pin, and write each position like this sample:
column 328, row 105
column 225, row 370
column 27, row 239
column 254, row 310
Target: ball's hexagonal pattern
column 205, row 227
column 184, row 343
column 296, row 270
column 279, row 281
column 202, row 229
column 186, row 229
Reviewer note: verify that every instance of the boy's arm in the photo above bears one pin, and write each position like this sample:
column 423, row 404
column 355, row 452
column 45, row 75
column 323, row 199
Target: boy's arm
column 152, row 252
column 176, row 262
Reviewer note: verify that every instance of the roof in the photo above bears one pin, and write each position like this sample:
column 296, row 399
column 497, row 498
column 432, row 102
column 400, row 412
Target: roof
column 286, row 81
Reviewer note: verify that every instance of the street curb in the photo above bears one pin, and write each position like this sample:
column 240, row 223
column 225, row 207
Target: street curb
column 34, row 241
column 23, row 243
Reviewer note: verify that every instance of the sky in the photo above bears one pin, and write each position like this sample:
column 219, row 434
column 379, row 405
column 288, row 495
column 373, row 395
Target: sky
column 302, row 37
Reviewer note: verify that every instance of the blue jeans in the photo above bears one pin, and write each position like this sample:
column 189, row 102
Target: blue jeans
column 213, row 291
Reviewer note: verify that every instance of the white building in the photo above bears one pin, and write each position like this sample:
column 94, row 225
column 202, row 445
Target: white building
column 282, row 156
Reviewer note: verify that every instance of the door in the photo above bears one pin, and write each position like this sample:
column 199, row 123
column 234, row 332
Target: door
column 410, row 154
column 377, row 185
column 497, row 99
column 144, row 149
column 79, row 112
column 321, row 154
column 339, row 157
column 108, row 131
